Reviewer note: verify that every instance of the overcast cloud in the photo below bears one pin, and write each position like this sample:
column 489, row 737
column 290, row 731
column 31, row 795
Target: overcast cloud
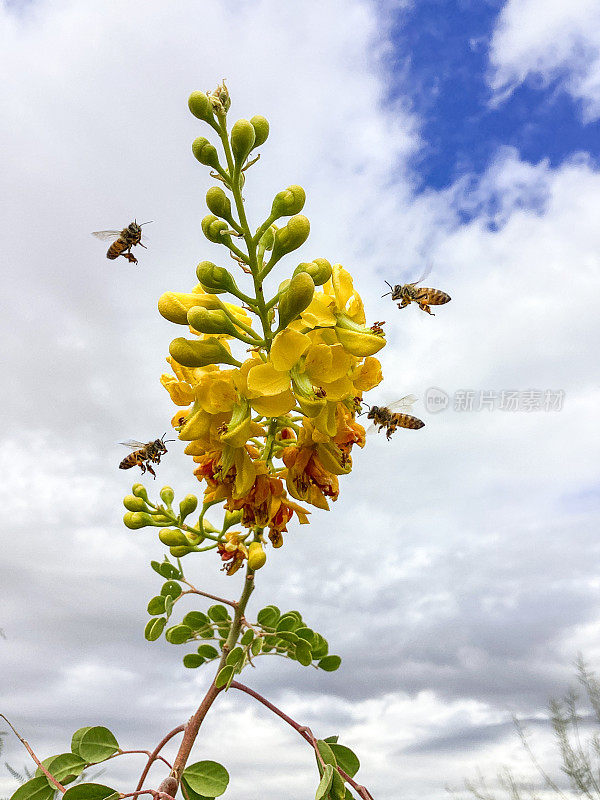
column 457, row 576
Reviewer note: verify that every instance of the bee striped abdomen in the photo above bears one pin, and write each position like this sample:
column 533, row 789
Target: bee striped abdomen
column 408, row 421
column 434, row 297
column 116, row 248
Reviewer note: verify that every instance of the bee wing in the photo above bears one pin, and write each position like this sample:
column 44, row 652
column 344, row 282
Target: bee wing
column 106, row 234
column 371, row 429
column 133, row 444
column 424, row 275
column 403, row 405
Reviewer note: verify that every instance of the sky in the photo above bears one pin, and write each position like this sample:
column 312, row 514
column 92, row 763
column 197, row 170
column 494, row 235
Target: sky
column 457, row 575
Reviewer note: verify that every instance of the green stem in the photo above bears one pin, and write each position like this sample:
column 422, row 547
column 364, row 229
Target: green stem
column 248, row 238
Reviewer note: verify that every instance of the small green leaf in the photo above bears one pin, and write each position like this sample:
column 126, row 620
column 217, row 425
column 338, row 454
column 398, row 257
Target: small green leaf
column 236, row 656
column 157, row 605
column 325, row 783
column 97, row 744
column 320, row 647
column 247, row 637
column 90, row 791
column 330, row 663
column 65, row 767
column 303, row 653
column 345, row 758
column 208, row 651
column 35, row 789
column 207, row 778
column 196, row 620
column 192, row 661
column 288, row 622
column 224, row 676
column 168, row 605
column 331, row 739
column 171, row 589
column 178, row 634
column 190, row 794
column 154, row 628
column 223, row 630
column 218, row 613
column 167, row 570
column 337, row 790
column 305, row 633
column 287, row 636
column 256, row 646
column 206, row 633
column 268, row 616
column 77, row 737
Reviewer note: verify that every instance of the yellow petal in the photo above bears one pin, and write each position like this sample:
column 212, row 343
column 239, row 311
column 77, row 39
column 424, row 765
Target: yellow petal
column 319, row 312
column 287, row 348
column 367, row 375
column 182, row 394
column 318, row 363
column 264, row 379
column 245, row 473
column 274, row 406
column 337, row 390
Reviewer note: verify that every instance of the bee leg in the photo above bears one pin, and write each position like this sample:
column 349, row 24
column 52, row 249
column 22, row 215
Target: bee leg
column 403, row 304
column 151, row 471
column 425, row 307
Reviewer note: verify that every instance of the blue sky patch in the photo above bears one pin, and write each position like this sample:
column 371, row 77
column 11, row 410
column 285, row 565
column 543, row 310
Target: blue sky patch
column 447, row 43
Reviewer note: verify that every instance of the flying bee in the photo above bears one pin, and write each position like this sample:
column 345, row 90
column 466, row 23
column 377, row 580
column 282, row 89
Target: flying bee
column 144, row 454
column 124, row 241
column 393, row 416
column 411, row 293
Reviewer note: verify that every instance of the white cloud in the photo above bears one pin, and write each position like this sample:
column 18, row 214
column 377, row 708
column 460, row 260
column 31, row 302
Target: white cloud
column 458, row 565
column 548, row 41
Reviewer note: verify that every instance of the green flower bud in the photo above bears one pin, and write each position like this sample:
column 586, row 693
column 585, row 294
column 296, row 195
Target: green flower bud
column 133, row 503
column 212, row 227
column 261, row 129
column 218, row 202
column 172, row 537
column 290, row 237
column 192, row 353
column 205, row 152
column 215, row 279
column 256, row 556
column 167, row 495
column 188, row 505
column 200, row 106
column 180, row 550
column 174, row 306
column 242, row 140
column 295, row 299
column 231, row 518
column 205, row 321
column 287, row 202
column 319, row 270
column 136, row 519
column 267, row 240
column 139, row 490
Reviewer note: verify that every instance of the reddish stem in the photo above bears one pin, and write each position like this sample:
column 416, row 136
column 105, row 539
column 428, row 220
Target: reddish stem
column 191, row 731
column 154, row 754
column 50, row 777
column 305, row 732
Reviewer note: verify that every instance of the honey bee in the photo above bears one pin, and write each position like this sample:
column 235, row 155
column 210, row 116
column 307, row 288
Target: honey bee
column 410, row 292
column 144, row 454
column 393, row 416
column 124, row 241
